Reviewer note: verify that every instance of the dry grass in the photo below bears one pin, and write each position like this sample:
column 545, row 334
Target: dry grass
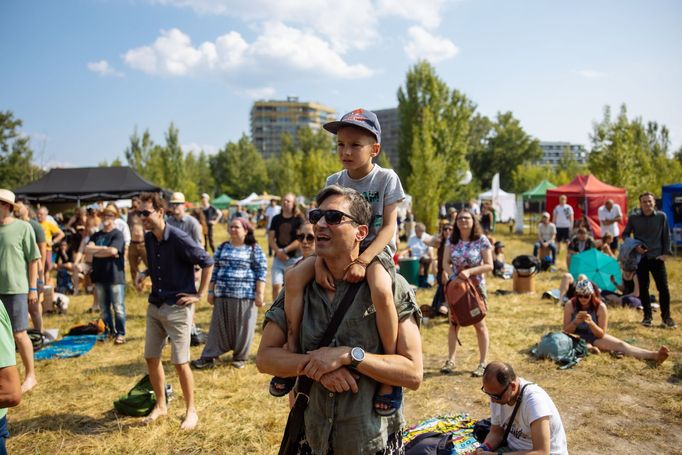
column 608, row 405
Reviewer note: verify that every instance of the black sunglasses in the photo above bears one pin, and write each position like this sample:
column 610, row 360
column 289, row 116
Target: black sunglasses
column 144, row 213
column 306, row 237
column 331, row 216
column 495, row 396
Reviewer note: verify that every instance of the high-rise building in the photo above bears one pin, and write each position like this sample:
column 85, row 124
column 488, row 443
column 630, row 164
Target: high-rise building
column 390, row 133
column 553, row 151
column 270, row 119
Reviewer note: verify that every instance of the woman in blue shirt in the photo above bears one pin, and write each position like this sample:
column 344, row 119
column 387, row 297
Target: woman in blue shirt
column 236, row 293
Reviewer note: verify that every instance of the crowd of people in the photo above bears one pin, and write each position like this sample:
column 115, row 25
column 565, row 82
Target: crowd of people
column 342, row 319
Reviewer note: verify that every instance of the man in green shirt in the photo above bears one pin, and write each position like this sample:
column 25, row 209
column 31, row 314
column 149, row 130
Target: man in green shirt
column 19, row 257
column 10, row 387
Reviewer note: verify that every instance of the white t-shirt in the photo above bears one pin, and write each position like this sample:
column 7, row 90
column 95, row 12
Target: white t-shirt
column 417, row 245
column 605, row 214
column 270, row 213
column 381, row 187
column 563, row 215
column 546, row 231
column 534, row 405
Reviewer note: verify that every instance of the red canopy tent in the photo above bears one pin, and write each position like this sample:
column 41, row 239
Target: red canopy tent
column 586, row 193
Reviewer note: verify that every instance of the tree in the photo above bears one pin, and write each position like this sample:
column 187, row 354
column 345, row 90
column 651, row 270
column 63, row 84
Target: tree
column 239, row 169
column 16, row 155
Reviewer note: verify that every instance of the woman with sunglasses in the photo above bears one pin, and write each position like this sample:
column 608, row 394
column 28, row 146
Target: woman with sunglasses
column 468, row 256
column 306, row 239
column 587, row 316
column 236, row 291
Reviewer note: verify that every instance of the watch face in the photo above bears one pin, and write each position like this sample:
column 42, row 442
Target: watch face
column 357, row 354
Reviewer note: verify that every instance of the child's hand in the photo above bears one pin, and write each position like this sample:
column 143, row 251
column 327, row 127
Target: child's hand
column 355, row 273
column 323, row 276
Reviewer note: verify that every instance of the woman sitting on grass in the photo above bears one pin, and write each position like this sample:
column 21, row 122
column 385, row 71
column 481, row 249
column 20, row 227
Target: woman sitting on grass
column 586, row 316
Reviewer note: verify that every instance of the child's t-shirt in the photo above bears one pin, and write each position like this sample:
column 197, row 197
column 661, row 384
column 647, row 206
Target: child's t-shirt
column 381, row 187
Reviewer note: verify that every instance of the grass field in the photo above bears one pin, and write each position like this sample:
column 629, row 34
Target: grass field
column 608, row 405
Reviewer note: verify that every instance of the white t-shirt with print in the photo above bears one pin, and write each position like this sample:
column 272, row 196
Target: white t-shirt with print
column 534, row 405
column 605, row 214
column 563, row 215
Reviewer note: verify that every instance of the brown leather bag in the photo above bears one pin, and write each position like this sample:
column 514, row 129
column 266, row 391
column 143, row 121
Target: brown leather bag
column 467, row 307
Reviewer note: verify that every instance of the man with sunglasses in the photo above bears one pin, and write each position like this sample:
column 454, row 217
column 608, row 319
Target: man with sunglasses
column 537, row 426
column 340, row 417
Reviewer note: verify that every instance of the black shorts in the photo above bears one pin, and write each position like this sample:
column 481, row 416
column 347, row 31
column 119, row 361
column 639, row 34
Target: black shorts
column 562, row 234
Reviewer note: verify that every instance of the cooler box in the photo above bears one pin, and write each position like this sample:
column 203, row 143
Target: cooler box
column 523, row 284
column 409, row 269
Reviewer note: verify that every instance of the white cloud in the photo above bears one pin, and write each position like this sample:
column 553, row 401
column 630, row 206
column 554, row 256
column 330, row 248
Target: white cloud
column 195, row 148
column 279, row 46
column 260, row 93
column 590, row 74
column 104, row 69
column 424, row 45
column 428, row 13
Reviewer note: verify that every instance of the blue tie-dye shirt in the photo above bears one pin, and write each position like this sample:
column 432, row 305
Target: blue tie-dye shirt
column 237, row 269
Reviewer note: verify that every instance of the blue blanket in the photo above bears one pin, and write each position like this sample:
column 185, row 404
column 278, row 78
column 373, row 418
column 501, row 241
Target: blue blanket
column 71, row 346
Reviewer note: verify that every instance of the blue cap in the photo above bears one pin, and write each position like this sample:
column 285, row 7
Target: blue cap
column 359, row 117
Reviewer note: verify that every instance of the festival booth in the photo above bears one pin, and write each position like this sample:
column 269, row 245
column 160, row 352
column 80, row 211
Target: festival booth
column 221, row 202
column 586, row 193
column 505, row 207
column 538, row 194
column 672, row 206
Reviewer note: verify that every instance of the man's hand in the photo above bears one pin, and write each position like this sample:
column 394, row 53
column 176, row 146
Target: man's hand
column 341, row 380
column 355, row 273
column 322, row 361
column 662, row 257
column 138, row 281
column 641, row 249
column 259, row 300
column 187, row 299
column 32, row 297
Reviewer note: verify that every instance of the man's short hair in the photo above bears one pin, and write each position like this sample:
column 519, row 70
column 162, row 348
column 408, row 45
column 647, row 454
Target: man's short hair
column 155, row 199
column 647, row 193
column 421, row 226
column 502, row 372
column 359, row 207
column 581, row 230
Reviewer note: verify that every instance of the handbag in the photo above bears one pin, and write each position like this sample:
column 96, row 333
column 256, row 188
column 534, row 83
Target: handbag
column 467, row 307
column 482, row 427
column 294, row 427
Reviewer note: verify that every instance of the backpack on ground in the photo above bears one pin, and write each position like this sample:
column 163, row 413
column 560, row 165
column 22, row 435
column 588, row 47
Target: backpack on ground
column 140, row 400
column 564, row 349
column 37, row 339
column 526, row 265
column 91, row 328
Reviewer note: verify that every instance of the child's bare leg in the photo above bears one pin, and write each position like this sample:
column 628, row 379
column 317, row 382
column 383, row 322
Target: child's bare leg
column 381, row 290
column 295, row 280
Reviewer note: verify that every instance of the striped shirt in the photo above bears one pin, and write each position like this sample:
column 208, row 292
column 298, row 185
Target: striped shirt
column 237, row 269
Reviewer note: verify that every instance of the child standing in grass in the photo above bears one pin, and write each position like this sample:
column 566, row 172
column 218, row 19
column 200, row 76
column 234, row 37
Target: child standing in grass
column 358, row 142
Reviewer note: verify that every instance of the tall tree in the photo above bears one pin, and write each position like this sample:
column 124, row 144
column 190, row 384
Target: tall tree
column 16, row 155
column 239, row 169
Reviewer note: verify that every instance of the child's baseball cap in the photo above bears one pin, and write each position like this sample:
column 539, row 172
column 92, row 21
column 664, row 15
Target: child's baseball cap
column 359, row 117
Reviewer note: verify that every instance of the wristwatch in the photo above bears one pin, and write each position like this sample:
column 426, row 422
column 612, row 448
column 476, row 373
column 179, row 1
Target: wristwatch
column 357, row 355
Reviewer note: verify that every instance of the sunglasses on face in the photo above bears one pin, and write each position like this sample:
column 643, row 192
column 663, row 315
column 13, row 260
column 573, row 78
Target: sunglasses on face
column 494, row 396
column 331, row 216
column 144, row 213
column 306, row 237
column 581, row 296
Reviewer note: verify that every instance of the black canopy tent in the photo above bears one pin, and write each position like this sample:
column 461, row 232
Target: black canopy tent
column 86, row 184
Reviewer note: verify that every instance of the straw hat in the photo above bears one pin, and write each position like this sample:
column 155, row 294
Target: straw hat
column 177, row 198
column 8, row 197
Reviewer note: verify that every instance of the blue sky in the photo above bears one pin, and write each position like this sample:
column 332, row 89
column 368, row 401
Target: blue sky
column 82, row 74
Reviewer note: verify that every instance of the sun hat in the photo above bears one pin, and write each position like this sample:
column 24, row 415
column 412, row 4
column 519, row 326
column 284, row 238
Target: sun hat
column 110, row 210
column 177, row 198
column 584, row 287
column 8, row 197
column 361, row 118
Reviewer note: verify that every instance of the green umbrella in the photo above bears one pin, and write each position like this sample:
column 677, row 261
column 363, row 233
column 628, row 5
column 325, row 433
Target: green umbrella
column 597, row 266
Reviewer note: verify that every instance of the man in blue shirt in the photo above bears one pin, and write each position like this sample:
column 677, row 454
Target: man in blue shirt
column 171, row 255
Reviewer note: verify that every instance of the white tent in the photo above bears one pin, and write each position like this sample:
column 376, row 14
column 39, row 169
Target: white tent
column 505, row 206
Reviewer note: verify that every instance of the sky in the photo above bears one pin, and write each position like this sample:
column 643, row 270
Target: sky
column 82, row 75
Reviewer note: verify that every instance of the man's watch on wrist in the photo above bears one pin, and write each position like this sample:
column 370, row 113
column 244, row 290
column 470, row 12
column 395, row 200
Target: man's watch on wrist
column 357, row 355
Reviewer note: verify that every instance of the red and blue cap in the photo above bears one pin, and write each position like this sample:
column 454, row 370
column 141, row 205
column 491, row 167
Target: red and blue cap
column 361, row 118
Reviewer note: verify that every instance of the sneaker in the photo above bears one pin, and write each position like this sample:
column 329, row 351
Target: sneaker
column 478, row 372
column 448, row 367
column 120, row 339
column 443, row 310
column 202, row 363
column 238, row 364
column 646, row 322
column 669, row 323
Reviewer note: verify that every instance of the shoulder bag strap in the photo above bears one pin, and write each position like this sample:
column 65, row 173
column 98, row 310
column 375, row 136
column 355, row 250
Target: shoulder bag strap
column 294, row 426
column 513, row 415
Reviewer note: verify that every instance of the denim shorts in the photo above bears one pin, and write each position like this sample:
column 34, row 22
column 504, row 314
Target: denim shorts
column 279, row 267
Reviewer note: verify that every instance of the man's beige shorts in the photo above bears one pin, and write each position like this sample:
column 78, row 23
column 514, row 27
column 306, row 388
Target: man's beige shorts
column 173, row 321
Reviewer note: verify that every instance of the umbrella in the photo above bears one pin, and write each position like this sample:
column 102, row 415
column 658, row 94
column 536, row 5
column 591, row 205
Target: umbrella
column 597, row 266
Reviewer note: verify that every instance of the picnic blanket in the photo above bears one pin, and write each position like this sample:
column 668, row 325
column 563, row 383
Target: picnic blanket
column 71, row 346
column 460, row 426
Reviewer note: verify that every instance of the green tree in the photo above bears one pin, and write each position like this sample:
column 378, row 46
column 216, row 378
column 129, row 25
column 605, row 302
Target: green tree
column 16, row 155
column 239, row 169
column 284, row 172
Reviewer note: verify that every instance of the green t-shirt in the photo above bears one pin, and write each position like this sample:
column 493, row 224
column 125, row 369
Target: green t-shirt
column 38, row 231
column 7, row 356
column 18, row 248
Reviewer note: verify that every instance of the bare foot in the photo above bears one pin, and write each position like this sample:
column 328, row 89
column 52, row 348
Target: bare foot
column 593, row 349
column 191, row 420
column 28, row 384
column 663, row 353
column 155, row 414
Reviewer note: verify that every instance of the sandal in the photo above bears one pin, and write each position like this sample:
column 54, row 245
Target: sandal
column 393, row 400
column 281, row 386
